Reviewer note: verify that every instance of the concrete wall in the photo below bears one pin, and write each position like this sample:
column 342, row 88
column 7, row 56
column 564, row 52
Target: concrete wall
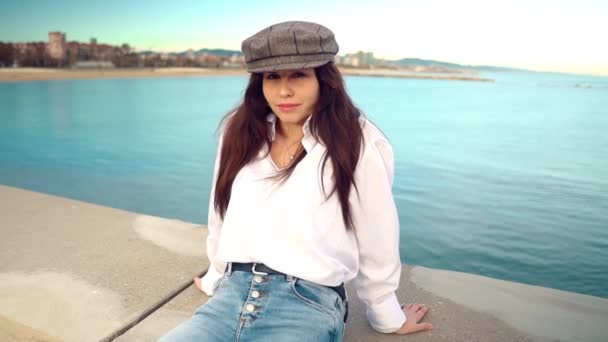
column 75, row 271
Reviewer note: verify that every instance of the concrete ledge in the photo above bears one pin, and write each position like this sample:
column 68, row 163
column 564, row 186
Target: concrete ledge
column 76, row 271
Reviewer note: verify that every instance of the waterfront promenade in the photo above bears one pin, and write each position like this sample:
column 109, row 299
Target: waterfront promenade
column 75, row 271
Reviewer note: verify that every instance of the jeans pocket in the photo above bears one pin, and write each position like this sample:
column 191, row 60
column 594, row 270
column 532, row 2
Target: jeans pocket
column 325, row 300
column 218, row 282
column 317, row 296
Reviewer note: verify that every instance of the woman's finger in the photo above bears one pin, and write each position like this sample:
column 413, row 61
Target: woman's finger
column 420, row 313
column 407, row 306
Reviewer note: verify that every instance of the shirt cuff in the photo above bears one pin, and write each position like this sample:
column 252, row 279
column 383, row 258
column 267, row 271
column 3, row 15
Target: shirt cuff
column 386, row 316
column 210, row 280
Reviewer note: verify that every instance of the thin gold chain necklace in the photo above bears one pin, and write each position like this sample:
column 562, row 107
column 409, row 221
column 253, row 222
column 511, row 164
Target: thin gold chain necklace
column 286, row 151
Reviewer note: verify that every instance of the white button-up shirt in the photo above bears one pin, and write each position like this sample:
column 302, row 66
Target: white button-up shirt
column 294, row 229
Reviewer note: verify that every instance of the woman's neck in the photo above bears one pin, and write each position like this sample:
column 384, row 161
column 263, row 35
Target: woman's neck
column 288, row 131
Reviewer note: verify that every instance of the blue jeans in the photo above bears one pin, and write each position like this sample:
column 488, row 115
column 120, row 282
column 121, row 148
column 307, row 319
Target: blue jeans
column 250, row 307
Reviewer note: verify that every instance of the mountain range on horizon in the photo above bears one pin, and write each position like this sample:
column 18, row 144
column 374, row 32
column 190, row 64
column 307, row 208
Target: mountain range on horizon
column 404, row 62
column 411, row 62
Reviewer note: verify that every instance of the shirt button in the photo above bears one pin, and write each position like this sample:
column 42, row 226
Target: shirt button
column 255, row 294
column 249, row 307
column 258, row 279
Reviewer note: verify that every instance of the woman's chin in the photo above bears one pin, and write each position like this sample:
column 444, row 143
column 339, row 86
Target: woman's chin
column 292, row 118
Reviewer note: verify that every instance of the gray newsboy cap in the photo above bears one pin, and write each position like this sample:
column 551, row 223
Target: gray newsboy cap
column 289, row 45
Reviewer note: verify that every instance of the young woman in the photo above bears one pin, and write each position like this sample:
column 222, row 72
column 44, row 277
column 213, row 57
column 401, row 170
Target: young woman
column 301, row 203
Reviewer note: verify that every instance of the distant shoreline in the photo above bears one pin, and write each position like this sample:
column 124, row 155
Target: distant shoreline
column 410, row 74
column 47, row 74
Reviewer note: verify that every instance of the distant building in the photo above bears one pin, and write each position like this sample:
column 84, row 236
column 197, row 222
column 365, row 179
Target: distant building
column 190, row 54
column 210, row 61
column 358, row 60
column 56, row 47
column 237, row 59
column 351, row 60
column 93, row 47
column 31, row 54
column 366, row 58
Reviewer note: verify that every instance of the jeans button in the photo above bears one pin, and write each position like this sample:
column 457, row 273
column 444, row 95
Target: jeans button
column 255, row 294
column 249, row 307
column 258, row 279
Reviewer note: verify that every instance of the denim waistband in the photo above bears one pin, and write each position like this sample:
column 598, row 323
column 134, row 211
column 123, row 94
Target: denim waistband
column 258, row 268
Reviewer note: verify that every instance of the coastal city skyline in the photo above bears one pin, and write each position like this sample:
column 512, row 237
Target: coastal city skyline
column 58, row 51
column 561, row 36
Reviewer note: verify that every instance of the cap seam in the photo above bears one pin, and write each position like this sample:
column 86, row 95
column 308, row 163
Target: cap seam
column 268, row 41
column 295, row 40
column 320, row 39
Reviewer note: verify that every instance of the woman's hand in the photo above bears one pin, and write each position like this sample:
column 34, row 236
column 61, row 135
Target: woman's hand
column 197, row 283
column 414, row 314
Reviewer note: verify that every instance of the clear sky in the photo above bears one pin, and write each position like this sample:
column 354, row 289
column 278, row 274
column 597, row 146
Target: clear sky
column 547, row 35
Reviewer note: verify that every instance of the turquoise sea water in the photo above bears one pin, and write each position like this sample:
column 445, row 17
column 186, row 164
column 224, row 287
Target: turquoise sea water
column 506, row 179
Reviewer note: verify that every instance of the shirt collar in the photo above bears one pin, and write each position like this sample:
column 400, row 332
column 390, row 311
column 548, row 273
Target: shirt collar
column 308, row 140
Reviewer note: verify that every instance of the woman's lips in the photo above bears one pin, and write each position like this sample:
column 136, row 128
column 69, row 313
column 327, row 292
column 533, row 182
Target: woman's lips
column 288, row 107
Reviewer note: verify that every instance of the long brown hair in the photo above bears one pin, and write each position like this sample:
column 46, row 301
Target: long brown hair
column 335, row 122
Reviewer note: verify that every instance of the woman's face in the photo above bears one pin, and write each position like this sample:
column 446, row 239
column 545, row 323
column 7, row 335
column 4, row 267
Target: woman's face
column 291, row 94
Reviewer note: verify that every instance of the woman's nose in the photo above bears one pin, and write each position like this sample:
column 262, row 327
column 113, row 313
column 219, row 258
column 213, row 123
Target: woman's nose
column 285, row 90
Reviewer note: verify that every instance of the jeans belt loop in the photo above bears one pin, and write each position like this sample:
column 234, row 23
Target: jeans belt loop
column 256, row 272
column 229, row 269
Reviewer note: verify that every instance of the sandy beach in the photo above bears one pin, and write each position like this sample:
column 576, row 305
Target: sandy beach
column 45, row 74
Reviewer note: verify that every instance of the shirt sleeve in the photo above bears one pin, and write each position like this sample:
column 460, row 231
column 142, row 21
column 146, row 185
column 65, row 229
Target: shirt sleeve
column 377, row 233
column 214, row 225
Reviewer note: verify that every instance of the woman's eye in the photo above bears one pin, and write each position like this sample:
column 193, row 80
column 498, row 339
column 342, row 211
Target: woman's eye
column 272, row 76
column 298, row 74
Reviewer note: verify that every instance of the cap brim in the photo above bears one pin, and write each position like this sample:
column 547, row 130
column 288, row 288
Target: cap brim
column 287, row 66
